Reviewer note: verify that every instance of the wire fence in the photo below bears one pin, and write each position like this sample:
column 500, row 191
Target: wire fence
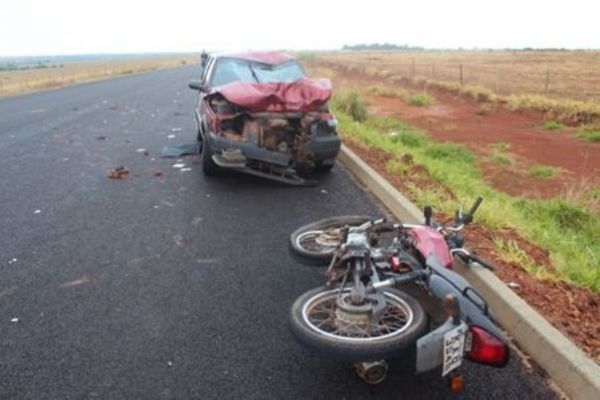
column 568, row 80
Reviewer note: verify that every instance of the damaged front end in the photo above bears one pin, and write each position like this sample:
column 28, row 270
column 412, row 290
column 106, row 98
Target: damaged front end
column 273, row 139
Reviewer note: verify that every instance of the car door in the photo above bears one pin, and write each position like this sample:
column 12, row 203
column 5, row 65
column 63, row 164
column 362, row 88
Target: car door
column 204, row 111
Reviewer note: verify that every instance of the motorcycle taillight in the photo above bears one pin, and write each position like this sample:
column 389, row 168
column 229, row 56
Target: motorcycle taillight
column 484, row 348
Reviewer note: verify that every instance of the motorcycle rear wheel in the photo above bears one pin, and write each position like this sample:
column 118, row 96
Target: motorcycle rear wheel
column 316, row 322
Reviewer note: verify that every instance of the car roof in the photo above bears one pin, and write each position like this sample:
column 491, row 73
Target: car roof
column 265, row 57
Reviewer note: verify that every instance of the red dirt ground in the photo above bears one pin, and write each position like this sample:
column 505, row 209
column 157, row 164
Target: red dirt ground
column 574, row 311
column 479, row 126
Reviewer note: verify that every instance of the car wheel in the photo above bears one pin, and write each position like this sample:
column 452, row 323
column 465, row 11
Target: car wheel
column 208, row 165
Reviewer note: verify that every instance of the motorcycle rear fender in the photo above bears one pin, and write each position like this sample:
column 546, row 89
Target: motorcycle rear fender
column 475, row 312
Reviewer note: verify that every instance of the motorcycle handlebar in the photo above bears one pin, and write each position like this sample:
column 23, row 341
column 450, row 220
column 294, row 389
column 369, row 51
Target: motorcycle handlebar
column 475, row 205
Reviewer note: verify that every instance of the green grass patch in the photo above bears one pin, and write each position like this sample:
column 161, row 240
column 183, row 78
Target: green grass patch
column 552, row 126
column 387, row 92
column 542, row 171
column 419, row 100
column 569, row 231
column 593, row 136
column 350, row 103
column 501, row 159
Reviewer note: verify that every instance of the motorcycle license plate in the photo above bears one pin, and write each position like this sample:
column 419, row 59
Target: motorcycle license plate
column 454, row 346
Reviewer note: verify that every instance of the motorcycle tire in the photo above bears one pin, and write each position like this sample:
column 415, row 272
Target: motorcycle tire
column 326, row 339
column 321, row 252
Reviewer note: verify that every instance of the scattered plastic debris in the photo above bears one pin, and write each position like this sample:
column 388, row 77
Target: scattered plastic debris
column 187, row 169
column 37, row 111
column 142, row 151
column 14, row 320
column 513, row 285
column 171, row 137
column 169, row 363
column 176, row 129
column 179, row 165
column 179, row 151
column 14, row 260
column 324, row 191
column 118, row 173
column 178, row 239
column 76, row 282
column 37, row 211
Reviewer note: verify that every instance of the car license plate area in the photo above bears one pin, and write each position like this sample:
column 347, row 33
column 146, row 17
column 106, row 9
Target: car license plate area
column 454, row 346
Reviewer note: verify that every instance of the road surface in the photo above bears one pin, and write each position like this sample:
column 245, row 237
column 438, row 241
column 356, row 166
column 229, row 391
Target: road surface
column 170, row 286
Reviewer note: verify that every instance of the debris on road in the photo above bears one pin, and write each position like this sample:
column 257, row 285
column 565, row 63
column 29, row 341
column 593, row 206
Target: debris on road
column 513, row 285
column 186, row 169
column 76, row 282
column 101, row 137
column 171, row 137
column 179, row 165
column 37, row 211
column 14, row 260
column 179, row 151
column 142, row 151
column 176, row 129
column 178, row 239
column 14, row 320
column 158, row 174
column 118, row 173
column 324, row 191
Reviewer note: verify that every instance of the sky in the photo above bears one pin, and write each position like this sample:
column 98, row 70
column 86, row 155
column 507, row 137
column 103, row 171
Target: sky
column 59, row 27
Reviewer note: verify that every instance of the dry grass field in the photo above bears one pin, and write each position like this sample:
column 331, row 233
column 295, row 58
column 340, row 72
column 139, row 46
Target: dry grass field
column 571, row 75
column 29, row 80
column 563, row 84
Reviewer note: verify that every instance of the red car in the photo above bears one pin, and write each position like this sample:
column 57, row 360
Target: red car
column 259, row 114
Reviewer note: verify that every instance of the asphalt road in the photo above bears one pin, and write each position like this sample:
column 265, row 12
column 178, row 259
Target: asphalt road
column 164, row 287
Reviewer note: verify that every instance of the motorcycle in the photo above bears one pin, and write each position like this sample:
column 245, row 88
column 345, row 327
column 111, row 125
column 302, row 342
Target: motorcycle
column 390, row 290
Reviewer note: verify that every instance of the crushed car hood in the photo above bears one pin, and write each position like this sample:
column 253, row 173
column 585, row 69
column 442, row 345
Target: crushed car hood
column 302, row 95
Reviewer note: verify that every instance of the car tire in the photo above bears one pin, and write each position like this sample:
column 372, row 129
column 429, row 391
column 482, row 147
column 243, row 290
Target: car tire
column 208, row 165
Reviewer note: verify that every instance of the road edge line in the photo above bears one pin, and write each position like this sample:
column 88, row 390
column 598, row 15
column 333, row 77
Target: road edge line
column 574, row 372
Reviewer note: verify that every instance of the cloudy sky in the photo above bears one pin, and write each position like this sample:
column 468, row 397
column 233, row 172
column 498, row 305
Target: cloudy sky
column 41, row 27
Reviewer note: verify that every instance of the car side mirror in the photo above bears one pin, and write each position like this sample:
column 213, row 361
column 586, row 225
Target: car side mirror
column 197, row 85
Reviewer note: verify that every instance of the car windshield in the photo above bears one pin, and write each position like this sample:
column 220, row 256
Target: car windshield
column 231, row 70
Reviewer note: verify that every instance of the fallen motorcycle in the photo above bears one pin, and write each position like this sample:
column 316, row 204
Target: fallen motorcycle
column 390, row 290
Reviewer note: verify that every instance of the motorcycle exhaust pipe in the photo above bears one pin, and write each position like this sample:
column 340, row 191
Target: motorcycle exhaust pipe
column 372, row 372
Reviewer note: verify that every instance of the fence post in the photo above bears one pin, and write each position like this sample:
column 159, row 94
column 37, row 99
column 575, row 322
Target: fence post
column 461, row 74
column 412, row 69
column 547, row 81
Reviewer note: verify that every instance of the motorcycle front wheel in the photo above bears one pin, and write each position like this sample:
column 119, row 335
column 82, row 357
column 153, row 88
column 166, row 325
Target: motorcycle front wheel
column 318, row 321
column 319, row 240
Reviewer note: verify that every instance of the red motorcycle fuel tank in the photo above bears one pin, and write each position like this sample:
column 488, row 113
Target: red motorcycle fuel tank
column 431, row 242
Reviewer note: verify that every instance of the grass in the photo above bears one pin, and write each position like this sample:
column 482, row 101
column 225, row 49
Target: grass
column 387, row 92
column 568, row 230
column 571, row 95
column 419, row 100
column 350, row 103
column 542, row 171
column 590, row 136
column 552, row 125
column 15, row 82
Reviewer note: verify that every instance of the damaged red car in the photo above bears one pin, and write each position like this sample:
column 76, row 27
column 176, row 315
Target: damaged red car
column 259, row 114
